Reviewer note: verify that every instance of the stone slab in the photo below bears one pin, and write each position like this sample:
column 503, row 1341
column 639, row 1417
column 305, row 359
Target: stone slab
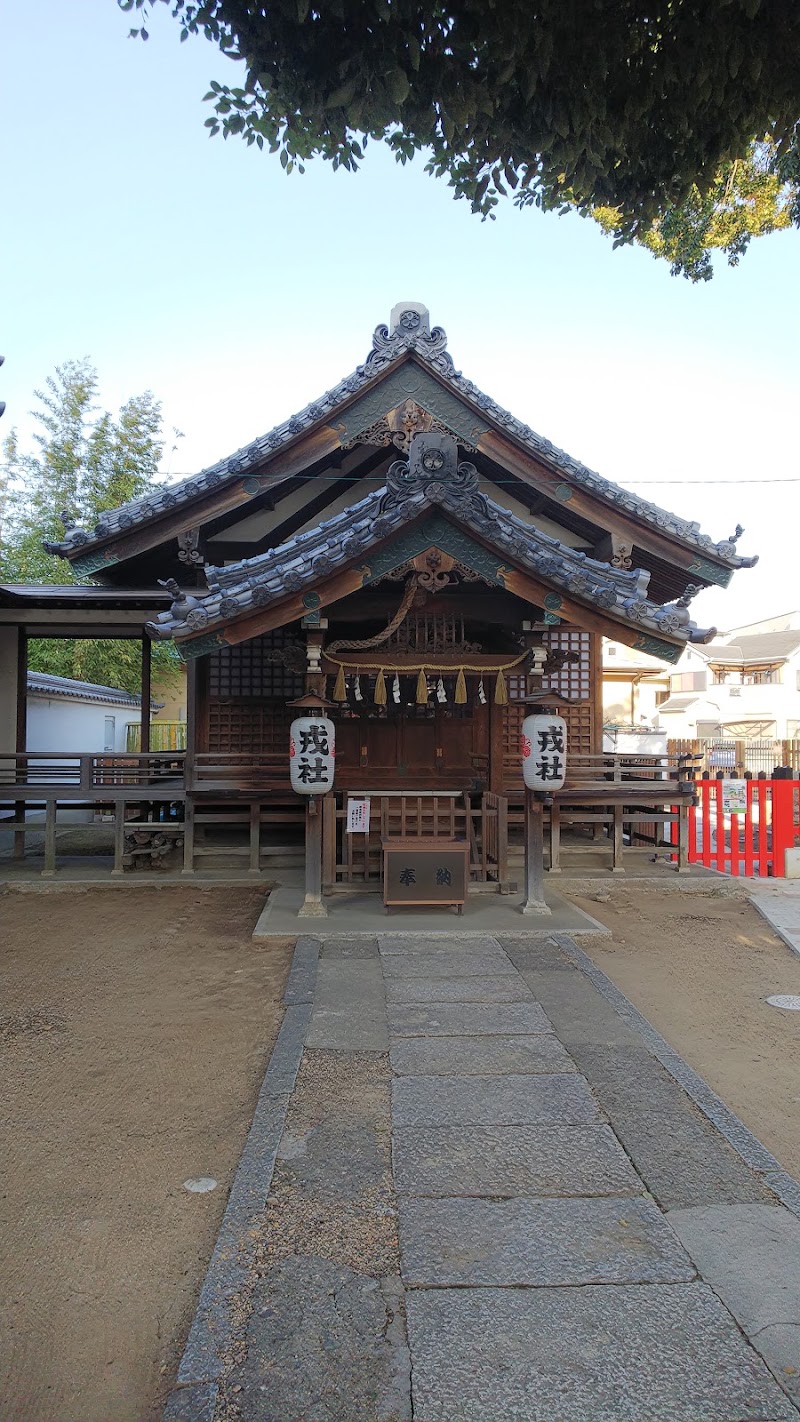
column 322, row 1345
column 711, row 1106
column 447, row 964
column 579, row 1013
column 344, row 947
column 195, row 1403
column 533, row 954
column 456, row 1019
column 445, row 942
column 492, row 1101
column 416, row 988
column 538, row 1242
column 750, row 1255
column 638, row 1353
column 681, row 1156
column 349, row 1007
column 504, row 1161
column 303, row 972
column 479, row 1056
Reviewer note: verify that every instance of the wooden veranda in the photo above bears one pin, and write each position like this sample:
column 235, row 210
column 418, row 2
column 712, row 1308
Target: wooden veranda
column 611, row 806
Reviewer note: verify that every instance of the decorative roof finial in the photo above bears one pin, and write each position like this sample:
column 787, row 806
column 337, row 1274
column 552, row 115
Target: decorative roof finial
column 410, row 318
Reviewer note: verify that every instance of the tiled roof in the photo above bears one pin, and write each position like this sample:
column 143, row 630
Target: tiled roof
column 410, row 335
column 350, row 537
column 759, row 647
column 43, row 684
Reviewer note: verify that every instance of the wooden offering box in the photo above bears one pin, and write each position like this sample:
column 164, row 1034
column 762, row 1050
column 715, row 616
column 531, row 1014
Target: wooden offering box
column 425, row 871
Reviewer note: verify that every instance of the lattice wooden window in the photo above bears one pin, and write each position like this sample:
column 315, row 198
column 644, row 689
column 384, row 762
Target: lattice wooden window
column 245, row 670
column 575, row 678
column 574, row 681
column 247, row 697
column 254, row 727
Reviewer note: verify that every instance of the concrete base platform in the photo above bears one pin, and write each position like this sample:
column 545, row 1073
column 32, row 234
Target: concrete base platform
column 364, row 912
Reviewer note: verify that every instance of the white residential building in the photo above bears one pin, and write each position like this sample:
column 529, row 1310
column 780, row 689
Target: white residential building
column 743, row 686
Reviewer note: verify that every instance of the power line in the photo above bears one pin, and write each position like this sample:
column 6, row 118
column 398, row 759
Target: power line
column 356, row 478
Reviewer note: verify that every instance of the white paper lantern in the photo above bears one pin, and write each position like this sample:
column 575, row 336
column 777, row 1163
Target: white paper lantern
column 312, row 751
column 544, row 752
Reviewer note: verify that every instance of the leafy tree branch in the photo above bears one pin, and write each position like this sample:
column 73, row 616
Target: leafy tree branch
column 636, row 113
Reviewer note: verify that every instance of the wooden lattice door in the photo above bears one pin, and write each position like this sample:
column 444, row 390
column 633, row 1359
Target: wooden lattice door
column 249, row 686
column 576, row 680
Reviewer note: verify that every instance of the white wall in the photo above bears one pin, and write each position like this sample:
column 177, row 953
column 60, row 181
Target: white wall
column 56, row 723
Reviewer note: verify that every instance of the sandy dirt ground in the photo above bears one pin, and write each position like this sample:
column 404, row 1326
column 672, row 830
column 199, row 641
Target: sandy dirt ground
column 135, row 1027
column 700, row 968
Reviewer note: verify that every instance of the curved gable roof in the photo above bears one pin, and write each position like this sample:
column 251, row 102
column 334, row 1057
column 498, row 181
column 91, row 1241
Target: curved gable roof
column 408, row 338
column 353, row 537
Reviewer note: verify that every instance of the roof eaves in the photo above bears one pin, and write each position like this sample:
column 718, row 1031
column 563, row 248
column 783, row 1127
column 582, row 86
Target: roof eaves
column 115, row 521
column 239, row 588
column 387, row 349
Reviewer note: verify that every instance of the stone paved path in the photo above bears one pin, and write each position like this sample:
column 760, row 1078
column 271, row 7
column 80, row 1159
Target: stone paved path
column 562, row 1235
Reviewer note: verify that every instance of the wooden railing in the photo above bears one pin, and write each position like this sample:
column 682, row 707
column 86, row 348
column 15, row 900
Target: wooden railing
column 494, row 837
column 613, row 767
column 356, row 858
column 65, row 775
column 237, row 772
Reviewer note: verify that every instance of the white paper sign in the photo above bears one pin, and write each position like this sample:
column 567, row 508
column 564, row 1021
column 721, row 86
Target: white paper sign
column 358, row 817
column 734, row 797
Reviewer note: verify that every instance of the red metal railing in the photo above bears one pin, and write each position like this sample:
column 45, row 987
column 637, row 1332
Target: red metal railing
column 751, row 840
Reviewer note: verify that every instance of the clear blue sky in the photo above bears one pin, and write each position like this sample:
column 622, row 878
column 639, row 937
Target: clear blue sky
column 197, row 269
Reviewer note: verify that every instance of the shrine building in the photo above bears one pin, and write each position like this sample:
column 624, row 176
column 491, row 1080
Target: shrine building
column 403, row 548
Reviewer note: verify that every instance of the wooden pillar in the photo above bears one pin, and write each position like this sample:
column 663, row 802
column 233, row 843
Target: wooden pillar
column 144, row 738
column 255, row 837
column 534, row 855
column 617, row 842
column 555, row 838
column 496, row 738
column 22, row 732
column 312, row 906
column 22, row 690
column 329, row 843
column 50, row 814
column 119, row 836
column 596, row 690
column 188, row 836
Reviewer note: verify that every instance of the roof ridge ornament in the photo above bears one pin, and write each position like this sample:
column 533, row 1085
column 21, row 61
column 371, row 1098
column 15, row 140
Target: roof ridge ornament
column 434, row 470
column 409, row 328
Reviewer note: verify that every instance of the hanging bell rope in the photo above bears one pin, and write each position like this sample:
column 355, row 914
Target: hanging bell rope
column 364, row 645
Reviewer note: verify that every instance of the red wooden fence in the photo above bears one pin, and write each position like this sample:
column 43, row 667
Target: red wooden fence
column 751, row 841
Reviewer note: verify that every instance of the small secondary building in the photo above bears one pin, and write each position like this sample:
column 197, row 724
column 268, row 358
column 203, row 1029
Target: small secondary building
column 64, row 714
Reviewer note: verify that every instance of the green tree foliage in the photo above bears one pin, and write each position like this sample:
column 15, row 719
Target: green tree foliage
column 84, row 462
column 610, row 105
column 747, row 199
